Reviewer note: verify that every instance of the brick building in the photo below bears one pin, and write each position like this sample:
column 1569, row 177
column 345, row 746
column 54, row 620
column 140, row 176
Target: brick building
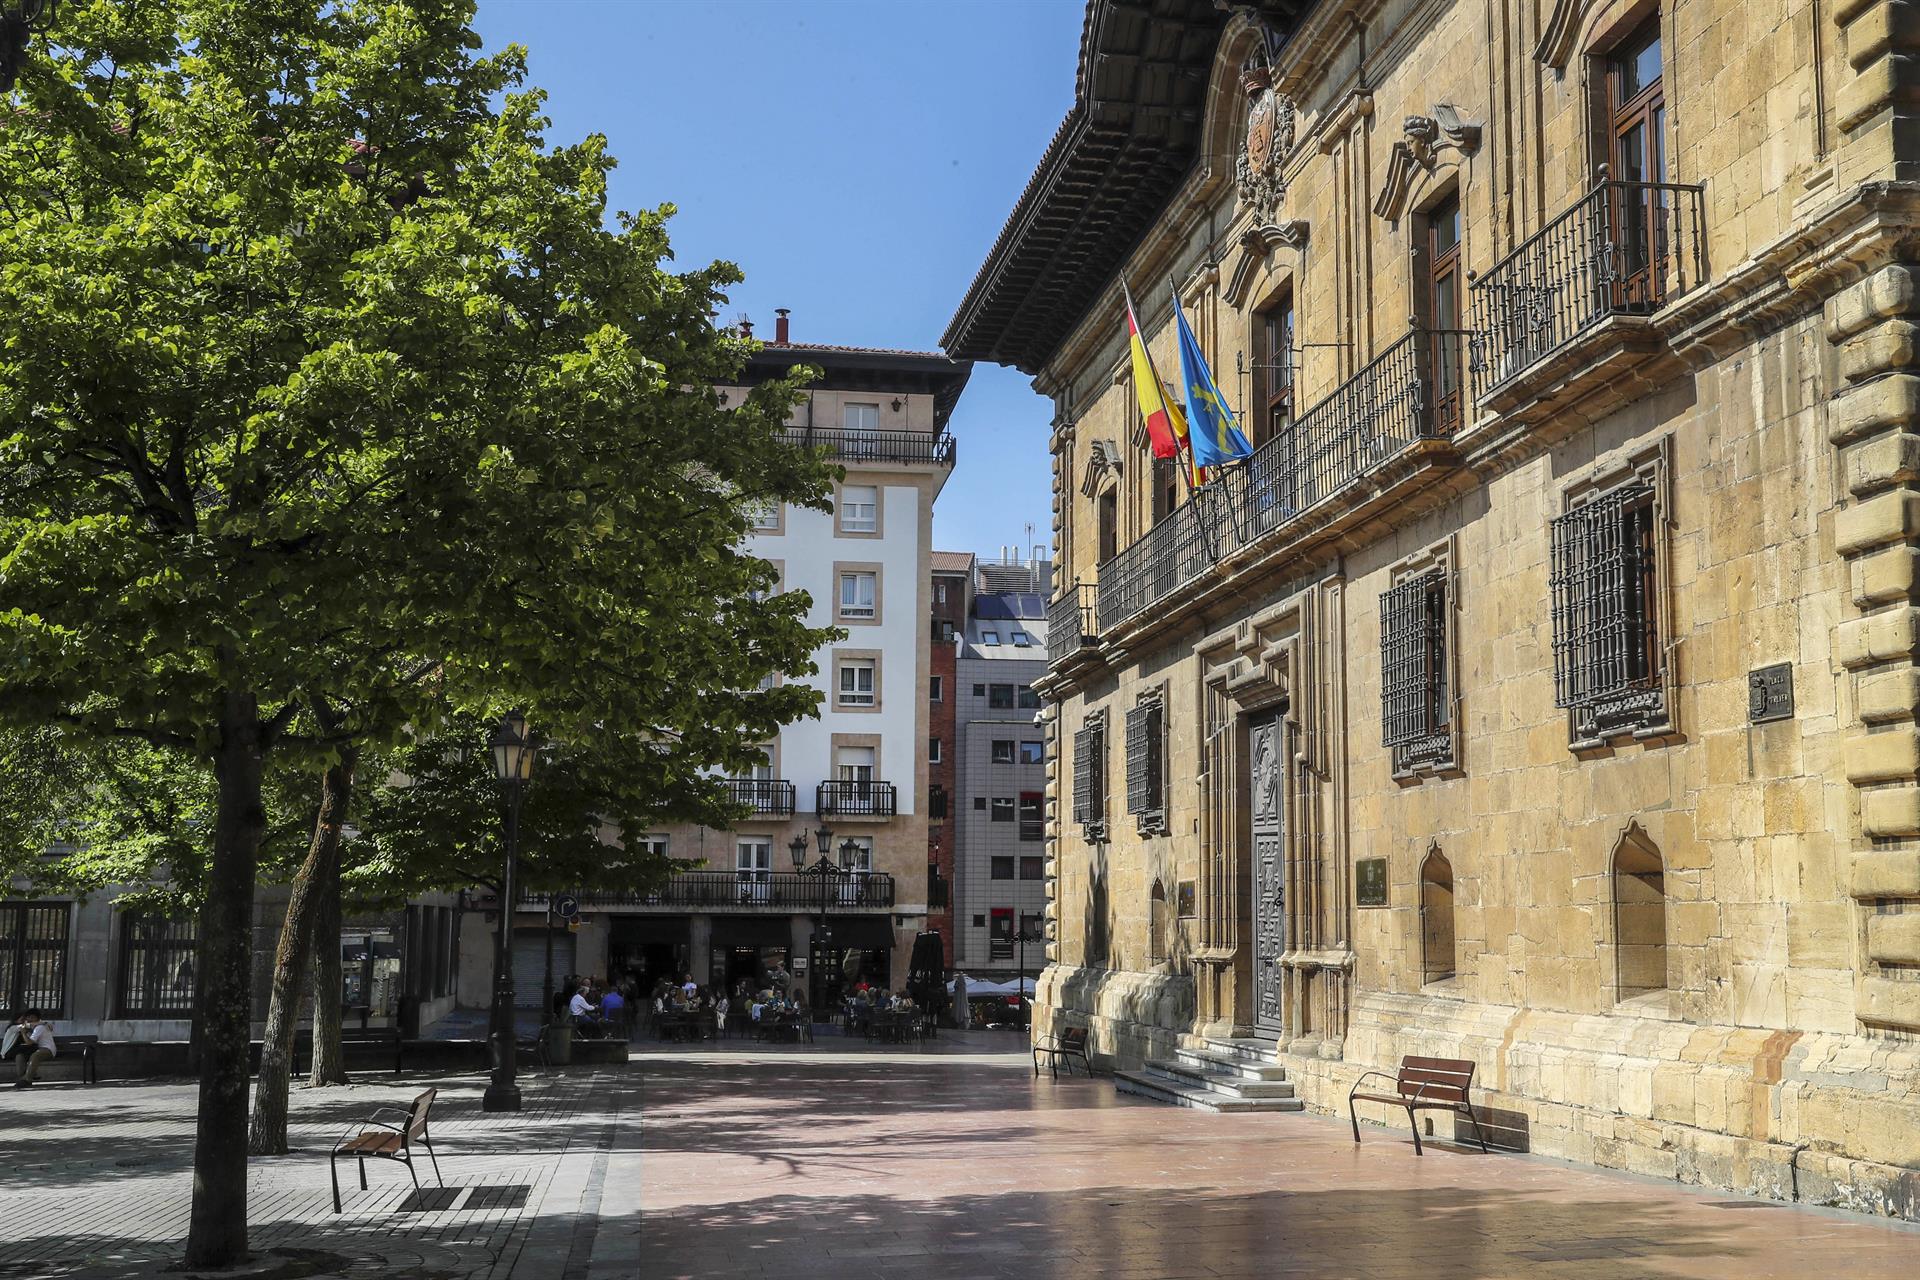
column 1543, row 691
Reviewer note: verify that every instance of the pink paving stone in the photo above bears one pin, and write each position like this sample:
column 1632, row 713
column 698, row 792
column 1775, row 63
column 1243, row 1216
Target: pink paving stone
column 946, row 1165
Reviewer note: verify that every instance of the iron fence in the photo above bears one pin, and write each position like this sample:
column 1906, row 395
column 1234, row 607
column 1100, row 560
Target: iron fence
column 856, row 798
column 723, row 890
column 1070, row 623
column 1625, row 248
column 762, row 795
column 843, row 445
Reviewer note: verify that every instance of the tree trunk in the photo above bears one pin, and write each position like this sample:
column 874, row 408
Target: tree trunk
column 217, row 1229
column 329, row 1063
column 269, row 1134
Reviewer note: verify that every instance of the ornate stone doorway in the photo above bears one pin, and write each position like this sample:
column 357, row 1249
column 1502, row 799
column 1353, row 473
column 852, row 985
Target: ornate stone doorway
column 1266, row 741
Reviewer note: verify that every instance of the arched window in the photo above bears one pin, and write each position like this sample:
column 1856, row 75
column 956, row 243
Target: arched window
column 1157, row 924
column 1639, row 915
column 1436, row 917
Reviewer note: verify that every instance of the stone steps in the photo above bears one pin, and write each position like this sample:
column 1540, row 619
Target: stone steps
column 1149, row 1082
column 1246, row 1068
column 1227, row 1075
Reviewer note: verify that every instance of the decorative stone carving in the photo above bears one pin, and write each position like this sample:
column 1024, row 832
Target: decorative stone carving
column 1257, row 243
column 1429, row 141
column 1557, row 37
column 1103, row 456
column 1270, row 132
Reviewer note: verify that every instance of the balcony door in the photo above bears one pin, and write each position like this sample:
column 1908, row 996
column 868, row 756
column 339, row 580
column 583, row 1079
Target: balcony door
column 857, row 860
column 1441, row 306
column 854, row 766
column 1637, row 124
column 753, row 868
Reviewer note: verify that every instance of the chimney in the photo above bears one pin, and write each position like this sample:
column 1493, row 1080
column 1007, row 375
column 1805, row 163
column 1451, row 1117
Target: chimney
column 780, row 324
column 746, row 327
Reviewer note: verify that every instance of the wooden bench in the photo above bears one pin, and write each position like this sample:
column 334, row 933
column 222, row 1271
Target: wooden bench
column 1424, row 1084
column 1063, row 1047
column 84, row 1049
column 387, row 1141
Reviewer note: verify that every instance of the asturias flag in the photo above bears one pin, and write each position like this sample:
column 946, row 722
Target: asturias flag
column 1215, row 439
column 1166, row 425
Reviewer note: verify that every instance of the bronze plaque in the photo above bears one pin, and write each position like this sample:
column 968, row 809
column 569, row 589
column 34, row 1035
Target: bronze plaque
column 1370, row 882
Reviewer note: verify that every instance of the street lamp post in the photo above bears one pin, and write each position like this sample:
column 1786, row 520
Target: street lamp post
column 512, row 764
column 19, row 20
column 1026, row 935
column 824, row 868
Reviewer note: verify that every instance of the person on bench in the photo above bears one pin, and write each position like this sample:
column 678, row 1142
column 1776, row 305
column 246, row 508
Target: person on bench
column 31, row 1042
column 586, row 1023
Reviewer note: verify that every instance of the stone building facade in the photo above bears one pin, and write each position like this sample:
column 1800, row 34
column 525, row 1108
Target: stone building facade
column 1544, row 689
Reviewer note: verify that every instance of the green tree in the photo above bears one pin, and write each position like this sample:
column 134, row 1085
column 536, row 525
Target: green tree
column 317, row 359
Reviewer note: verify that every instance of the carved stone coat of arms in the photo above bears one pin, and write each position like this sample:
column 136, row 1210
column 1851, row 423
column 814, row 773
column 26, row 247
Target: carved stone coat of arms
column 1270, row 120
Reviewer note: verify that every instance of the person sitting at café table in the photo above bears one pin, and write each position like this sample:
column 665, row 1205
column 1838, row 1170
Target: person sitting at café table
column 585, row 1015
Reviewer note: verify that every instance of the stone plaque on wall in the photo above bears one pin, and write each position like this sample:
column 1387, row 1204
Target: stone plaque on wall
column 1770, row 693
column 1370, row 882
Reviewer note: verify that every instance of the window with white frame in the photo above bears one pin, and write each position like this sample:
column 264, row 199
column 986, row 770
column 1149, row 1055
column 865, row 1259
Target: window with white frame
column 854, row 764
column 859, row 509
column 654, row 846
column 857, row 594
column 766, row 516
column 989, row 637
column 857, row 685
column 936, row 688
column 933, row 751
column 753, row 869
column 1022, row 639
column 860, row 417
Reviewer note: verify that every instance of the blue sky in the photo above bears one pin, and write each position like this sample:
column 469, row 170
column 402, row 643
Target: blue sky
column 855, row 159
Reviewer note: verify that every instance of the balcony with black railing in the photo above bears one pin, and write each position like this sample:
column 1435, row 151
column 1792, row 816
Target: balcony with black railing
column 1412, row 392
column 1619, row 254
column 1071, row 627
column 856, row 798
column 762, row 795
column 843, row 445
column 751, row 890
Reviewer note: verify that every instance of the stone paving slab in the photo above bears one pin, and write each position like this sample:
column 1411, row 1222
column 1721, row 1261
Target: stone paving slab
column 925, row 1167
column 102, row 1180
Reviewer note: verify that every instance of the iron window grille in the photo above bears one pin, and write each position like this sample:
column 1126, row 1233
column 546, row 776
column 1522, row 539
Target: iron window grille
column 33, row 956
column 1414, row 692
column 156, row 965
column 1606, row 643
column 1090, row 776
column 1146, row 764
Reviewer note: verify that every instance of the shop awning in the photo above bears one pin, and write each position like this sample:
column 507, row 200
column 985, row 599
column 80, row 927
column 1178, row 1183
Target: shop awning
column 752, row 931
column 866, row 933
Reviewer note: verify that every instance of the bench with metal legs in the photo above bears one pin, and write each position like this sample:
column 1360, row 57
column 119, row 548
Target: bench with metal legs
column 1424, row 1084
column 387, row 1141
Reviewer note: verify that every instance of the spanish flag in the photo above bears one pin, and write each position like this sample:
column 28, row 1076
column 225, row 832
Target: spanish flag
column 1166, row 424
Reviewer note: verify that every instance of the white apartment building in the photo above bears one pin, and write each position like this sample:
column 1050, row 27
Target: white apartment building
column 850, row 785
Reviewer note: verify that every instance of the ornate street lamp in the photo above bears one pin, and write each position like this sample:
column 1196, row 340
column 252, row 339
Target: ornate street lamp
column 19, row 20
column 1027, row 934
column 512, row 765
column 824, row 869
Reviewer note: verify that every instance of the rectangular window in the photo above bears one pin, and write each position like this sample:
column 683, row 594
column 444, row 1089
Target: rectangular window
column 1033, row 753
column 1442, row 309
column 1109, row 525
column 1033, row 816
column 1414, row 698
column 1090, row 776
column 1606, row 642
column 854, row 764
column 766, row 517
column 856, row 854
column 857, row 682
column 1002, row 869
column 936, row 688
column 753, row 870
column 859, row 509
column 988, row 637
column 937, row 894
column 1003, row 808
column 858, row 592
column 1027, row 698
column 979, row 691
column 1637, row 151
column 1000, row 696
column 652, row 846
column 1002, row 751
column 1146, row 764
column 1276, row 373
column 1022, row 639
column 1032, row 867
column 937, row 802
column 860, row 417
column 156, row 965
column 939, row 593
column 933, row 751
column 980, row 803
column 33, row 956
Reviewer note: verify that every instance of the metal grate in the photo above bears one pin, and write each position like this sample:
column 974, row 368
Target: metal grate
column 510, row 1196
column 1601, row 582
column 1146, row 763
column 157, row 965
column 1412, row 659
column 1090, row 775
column 33, row 956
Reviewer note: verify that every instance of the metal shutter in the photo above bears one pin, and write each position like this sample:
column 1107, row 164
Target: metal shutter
column 530, row 964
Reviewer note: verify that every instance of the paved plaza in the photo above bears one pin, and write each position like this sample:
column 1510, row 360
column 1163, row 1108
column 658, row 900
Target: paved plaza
column 856, row 1163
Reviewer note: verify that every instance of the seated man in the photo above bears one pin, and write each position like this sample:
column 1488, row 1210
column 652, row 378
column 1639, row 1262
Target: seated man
column 613, row 1010
column 31, row 1042
column 585, row 1022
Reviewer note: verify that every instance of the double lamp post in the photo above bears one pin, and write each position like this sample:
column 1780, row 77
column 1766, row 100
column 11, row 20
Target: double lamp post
column 827, row 870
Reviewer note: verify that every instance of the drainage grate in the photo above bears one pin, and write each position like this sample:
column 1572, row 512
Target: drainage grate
column 430, row 1199
column 510, row 1196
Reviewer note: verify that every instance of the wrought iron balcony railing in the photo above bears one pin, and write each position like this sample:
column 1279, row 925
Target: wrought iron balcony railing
column 855, row 799
column 1412, row 391
column 762, row 795
column 843, row 445
column 1070, row 623
column 731, row 890
column 1625, row 248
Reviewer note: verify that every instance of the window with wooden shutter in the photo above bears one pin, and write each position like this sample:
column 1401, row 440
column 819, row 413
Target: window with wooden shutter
column 1146, row 763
